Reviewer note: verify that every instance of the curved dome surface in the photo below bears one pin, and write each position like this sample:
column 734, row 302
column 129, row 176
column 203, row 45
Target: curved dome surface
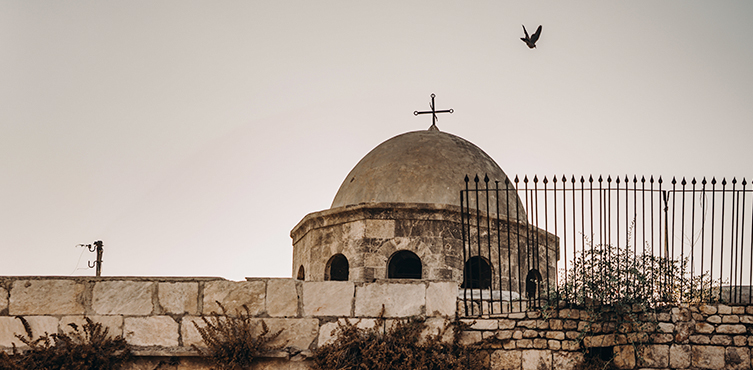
column 421, row 167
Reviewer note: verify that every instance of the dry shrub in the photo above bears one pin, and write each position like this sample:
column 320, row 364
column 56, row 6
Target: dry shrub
column 233, row 342
column 86, row 348
column 400, row 347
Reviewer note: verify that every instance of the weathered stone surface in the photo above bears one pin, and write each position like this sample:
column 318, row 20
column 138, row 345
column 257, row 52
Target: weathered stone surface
column 179, row 297
column 46, row 297
column 122, row 297
column 282, row 298
column 655, row 355
column 540, row 343
column 506, row 324
column 3, row 299
column 506, row 360
column 624, row 357
column 380, row 229
column 558, row 335
column 151, row 331
column 703, row 327
column 482, row 324
column 524, row 343
column 683, row 331
column 700, row 339
column 707, row 309
column 679, row 356
column 536, row 360
column 570, row 345
column 328, row 298
column 731, row 329
column 680, row 314
column 666, row 327
column 441, row 298
column 327, row 333
column 504, row 334
column 296, row 332
column 747, row 319
column 399, row 300
column 566, row 360
column 731, row 319
column 740, row 340
column 737, row 358
column 723, row 309
column 188, row 332
column 715, row 319
column 556, row 324
column 9, row 327
column 707, row 357
column 113, row 324
column 470, row 337
column 554, row 345
column 233, row 295
column 721, row 340
column 41, row 325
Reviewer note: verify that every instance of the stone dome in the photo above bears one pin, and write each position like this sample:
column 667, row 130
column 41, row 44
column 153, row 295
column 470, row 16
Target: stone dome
column 421, row 167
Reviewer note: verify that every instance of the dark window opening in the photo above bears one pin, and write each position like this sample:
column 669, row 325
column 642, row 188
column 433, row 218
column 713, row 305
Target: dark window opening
column 477, row 273
column 404, row 265
column 532, row 283
column 337, row 268
column 301, row 273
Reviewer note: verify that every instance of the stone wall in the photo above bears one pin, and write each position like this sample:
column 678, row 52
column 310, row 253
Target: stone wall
column 157, row 318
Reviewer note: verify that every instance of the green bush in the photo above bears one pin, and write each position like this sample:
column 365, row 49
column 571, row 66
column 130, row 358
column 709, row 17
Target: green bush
column 399, row 347
column 86, row 348
column 233, row 342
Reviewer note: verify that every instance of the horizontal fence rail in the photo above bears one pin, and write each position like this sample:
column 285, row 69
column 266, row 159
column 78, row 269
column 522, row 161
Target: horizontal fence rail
column 615, row 239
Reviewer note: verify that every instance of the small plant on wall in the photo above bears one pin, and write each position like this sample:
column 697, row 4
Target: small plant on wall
column 88, row 347
column 234, row 342
column 401, row 346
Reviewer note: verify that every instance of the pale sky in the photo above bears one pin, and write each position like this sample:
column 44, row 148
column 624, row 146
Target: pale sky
column 191, row 137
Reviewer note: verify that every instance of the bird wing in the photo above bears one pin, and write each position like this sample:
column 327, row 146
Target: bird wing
column 535, row 36
column 526, row 32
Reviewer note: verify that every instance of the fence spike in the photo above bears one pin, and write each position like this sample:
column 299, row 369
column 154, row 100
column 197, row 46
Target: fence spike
column 545, row 180
column 704, row 180
column 683, row 182
column 582, row 180
column 724, row 181
column 643, row 179
column 573, row 179
column 744, row 183
column 516, row 179
column 600, row 178
column 535, row 178
column 525, row 179
column 609, row 178
column 626, row 179
column 554, row 179
column 693, row 181
column 486, row 178
column 617, row 180
column 674, row 181
column 475, row 179
column 635, row 179
column 652, row 179
column 734, row 180
column 467, row 179
column 590, row 178
column 507, row 181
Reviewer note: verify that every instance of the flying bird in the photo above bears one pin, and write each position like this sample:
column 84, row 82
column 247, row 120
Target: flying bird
column 531, row 41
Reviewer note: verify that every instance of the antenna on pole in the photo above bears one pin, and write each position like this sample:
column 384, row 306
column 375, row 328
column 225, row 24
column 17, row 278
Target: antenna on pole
column 97, row 246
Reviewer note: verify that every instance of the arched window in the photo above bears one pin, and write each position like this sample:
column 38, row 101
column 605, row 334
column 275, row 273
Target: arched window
column 301, row 273
column 404, row 265
column 337, row 268
column 477, row 273
column 532, row 283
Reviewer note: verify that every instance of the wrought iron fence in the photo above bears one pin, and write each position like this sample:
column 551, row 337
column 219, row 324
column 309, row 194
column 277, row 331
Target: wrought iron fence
column 601, row 240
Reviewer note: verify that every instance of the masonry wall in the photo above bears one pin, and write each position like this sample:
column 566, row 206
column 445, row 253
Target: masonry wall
column 156, row 316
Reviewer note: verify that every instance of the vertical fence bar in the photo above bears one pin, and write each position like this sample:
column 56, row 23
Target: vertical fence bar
column 499, row 245
column 517, row 236
column 682, row 237
column 509, row 231
column 546, row 235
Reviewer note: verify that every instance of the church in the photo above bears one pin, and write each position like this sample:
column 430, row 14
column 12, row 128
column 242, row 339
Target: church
column 400, row 214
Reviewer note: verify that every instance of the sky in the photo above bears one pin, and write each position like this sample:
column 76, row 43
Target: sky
column 192, row 136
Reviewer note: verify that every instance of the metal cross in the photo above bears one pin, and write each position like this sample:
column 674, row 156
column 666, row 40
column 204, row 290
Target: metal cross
column 433, row 112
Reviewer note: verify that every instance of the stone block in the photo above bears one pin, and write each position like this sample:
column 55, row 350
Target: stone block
column 721, row 340
column 506, row 324
column 328, row 298
column 715, row 319
column 540, row 343
column 517, row 315
column 506, row 360
column 700, row 339
column 441, row 298
column 179, row 297
column 113, row 324
column 327, row 333
column 707, row 357
column 680, row 314
column 655, row 355
column 122, row 297
column 282, row 298
column 679, row 356
column 470, row 337
column 730, row 319
column 46, row 297
column 556, row 324
column 189, row 333
column 707, row 309
column 666, row 327
column 731, row 329
column 624, row 357
column 737, row 358
column 554, row 345
column 566, row 360
column 159, row 331
column 570, row 345
column 536, row 360
column 399, row 299
column 527, row 324
column 703, row 327
column 569, row 314
column 482, row 324
column 740, row 340
column 296, row 332
column 747, row 319
column 3, row 299
column 524, row 343
column 233, row 295
column 41, row 325
column 530, row 334
column 9, row 327
column 504, row 334
column 723, row 309
column 558, row 335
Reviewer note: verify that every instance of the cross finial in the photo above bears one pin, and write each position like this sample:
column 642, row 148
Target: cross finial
column 433, row 113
